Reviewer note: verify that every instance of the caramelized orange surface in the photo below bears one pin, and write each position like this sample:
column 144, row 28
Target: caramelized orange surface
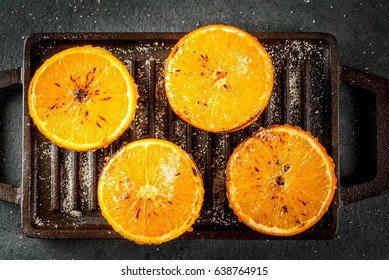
column 151, row 191
column 218, row 78
column 280, row 181
column 82, row 98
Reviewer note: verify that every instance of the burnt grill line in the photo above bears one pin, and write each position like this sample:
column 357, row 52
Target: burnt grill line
column 112, row 148
column 208, row 199
column 170, row 127
column 228, row 146
column 132, row 69
column 276, row 102
column 189, row 138
column 282, row 92
column 274, row 112
column 305, row 91
column 286, row 98
column 228, row 150
column 151, row 90
column 220, row 159
column 92, row 161
column 74, row 179
column 35, row 173
column 246, row 132
column 264, row 120
column 55, row 177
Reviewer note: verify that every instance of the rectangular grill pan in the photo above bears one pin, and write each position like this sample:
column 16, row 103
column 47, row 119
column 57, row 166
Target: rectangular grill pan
column 58, row 194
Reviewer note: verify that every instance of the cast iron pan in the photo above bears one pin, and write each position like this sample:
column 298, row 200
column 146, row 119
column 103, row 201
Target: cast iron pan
column 58, row 192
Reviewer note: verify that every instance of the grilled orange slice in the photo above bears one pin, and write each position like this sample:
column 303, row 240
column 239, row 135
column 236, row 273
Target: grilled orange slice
column 150, row 191
column 218, row 78
column 280, row 181
column 82, row 98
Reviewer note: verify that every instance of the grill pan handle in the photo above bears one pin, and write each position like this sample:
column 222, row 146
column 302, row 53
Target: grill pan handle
column 380, row 87
column 8, row 78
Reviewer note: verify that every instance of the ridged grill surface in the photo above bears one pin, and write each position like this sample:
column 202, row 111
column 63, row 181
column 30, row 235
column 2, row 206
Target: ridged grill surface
column 63, row 183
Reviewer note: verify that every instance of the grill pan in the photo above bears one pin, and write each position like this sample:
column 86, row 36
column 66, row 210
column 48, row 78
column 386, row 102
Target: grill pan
column 58, row 196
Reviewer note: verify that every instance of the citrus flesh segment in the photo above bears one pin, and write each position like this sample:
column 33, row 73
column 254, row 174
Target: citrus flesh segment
column 280, row 181
column 218, row 78
column 82, row 98
column 150, row 191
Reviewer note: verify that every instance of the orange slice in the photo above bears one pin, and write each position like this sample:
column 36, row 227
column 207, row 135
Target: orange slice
column 82, row 98
column 218, row 78
column 280, row 181
column 150, row 191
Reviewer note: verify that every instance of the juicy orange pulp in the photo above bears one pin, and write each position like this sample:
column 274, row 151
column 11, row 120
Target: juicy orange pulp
column 82, row 98
column 218, row 78
column 280, row 181
column 151, row 191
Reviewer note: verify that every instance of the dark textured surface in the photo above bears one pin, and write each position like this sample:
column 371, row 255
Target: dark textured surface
column 361, row 30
